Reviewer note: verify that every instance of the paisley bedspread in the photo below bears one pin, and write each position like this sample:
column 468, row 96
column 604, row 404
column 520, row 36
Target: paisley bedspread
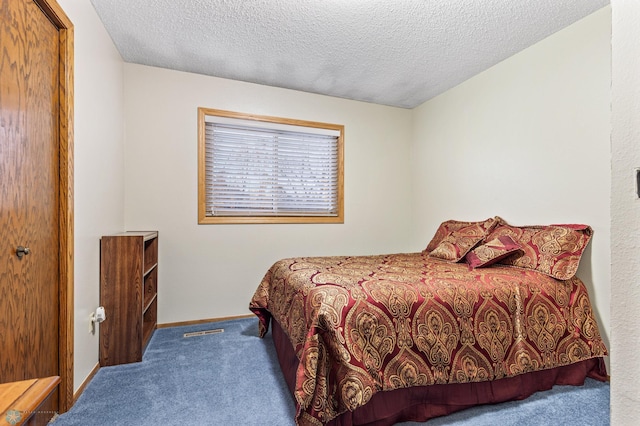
column 362, row 325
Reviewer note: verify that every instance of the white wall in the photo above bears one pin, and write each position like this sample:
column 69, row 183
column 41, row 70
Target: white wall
column 211, row 271
column 625, row 214
column 98, row 164
column 527, row 140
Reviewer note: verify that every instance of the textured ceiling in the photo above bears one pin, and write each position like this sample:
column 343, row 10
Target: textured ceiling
column 399, row 53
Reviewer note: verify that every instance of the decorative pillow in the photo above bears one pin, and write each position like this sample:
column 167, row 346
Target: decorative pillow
column 491, row 251
column 450, row 226
column 457, row 244
column 554, row 250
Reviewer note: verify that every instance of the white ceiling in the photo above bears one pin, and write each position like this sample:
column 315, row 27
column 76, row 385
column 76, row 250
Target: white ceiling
column 398, row 53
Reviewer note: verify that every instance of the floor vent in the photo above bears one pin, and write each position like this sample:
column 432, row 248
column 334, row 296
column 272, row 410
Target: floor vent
column 204, row 332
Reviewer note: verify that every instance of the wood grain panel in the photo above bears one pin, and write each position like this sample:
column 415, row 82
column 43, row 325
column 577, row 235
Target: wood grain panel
column 36, row 191
column 29, row 105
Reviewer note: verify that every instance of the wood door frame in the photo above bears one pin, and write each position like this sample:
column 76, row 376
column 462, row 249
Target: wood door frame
column 56, row 15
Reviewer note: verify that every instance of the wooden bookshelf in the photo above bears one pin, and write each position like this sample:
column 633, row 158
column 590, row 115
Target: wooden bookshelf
column 129, row 294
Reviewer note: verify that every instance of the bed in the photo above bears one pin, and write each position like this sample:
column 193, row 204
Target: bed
column 488, row 312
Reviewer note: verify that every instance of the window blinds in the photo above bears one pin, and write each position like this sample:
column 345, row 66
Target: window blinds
column 271, row 170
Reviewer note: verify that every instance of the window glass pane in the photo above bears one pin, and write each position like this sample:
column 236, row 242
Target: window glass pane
column 273, row 170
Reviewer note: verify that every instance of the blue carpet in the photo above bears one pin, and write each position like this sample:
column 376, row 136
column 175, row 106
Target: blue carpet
column 233, row 378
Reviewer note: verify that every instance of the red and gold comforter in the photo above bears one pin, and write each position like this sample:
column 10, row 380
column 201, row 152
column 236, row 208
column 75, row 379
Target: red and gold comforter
column 361, row 325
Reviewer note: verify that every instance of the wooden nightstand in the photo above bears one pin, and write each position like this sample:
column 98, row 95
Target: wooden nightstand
column 19, row 401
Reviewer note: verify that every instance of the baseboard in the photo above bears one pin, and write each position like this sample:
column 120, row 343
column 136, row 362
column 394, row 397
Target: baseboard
column 202, row 321
column 85, row 382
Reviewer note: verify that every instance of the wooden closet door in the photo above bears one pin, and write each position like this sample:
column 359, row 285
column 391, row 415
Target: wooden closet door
column 29, row 193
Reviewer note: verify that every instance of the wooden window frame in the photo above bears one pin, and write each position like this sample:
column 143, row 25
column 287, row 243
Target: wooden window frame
column 202, row 216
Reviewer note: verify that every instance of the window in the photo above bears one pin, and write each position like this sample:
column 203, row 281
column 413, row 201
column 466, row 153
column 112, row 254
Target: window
column 259, row 169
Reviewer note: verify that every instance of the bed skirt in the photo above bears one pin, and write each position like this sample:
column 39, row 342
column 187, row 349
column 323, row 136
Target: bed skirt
column 422, row 403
